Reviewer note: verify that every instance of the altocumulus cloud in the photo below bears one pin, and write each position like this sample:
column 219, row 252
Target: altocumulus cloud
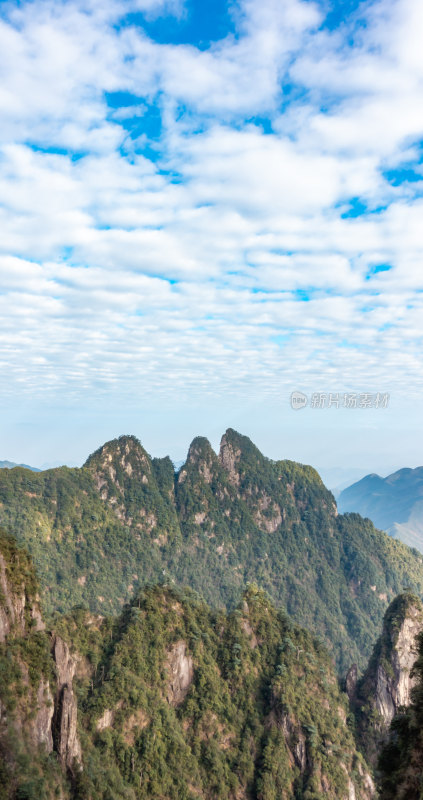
column 208, row 218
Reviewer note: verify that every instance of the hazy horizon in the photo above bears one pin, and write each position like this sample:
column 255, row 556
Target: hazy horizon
column 334, row 467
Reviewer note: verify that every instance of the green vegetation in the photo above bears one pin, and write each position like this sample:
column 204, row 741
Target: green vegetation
column 27, row 772
column 18, row 568
column 99, row 533
column 174, row 701
column 262, row 716
column 83, row 553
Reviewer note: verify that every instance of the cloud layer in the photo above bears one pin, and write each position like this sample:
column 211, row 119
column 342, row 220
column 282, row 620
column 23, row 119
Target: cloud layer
column 199, row 221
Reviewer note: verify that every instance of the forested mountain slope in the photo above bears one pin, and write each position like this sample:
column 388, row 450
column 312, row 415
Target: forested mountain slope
column 167, row 700
column 98, row 533
column 193, row 704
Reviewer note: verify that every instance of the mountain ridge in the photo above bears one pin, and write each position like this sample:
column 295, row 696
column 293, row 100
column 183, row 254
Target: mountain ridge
column 12, row 465
column 99, row 533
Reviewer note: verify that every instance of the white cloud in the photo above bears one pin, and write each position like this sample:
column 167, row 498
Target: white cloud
column 178, row 262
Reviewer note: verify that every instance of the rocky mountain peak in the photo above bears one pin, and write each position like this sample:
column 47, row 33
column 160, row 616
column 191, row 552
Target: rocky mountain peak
column 139, row 490
column 229, row 456
column 118, row 467
column 201, row 457
column 200, row 449
column 232, row 446
column 239, row 454
column 123, row 454
column 402, row 623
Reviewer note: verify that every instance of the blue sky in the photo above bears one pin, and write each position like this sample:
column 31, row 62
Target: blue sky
column 204, row 207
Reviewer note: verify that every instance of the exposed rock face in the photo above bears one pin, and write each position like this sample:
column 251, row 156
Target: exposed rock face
column 351, row 682
column 42, row 725
column 65, row 733
column 296, row 741
column 116, row 468
column 229, row 456
column 37, row 715
column 202, row 469
column 301, row 756
column 53, row 722
column 139, row 490
column 43, row 716
column 13, row 605
column 369, row 787
column 201, row 453
column 388, row 680
column 247, row 627
column 20, row 617
column 106, row 720
column 65, row 737
column 267, row 515
column 401, row 762
column 181, row 673
column 394, row 680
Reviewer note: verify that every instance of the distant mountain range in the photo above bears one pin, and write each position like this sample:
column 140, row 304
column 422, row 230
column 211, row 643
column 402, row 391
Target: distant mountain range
column 338, row 478
column 11, row 465
column 394, row 504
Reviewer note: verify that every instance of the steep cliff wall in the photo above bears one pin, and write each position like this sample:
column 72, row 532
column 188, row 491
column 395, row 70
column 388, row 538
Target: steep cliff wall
column 388, row 681
column 401, row 762
column 64, row 722
column 38, row 709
